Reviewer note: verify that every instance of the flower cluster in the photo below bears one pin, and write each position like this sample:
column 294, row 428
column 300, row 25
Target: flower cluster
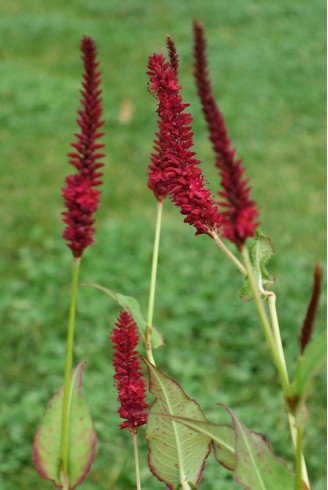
column 80, row 193
column 239, row 213
column 174, row 169
column 156, row 181
column 129, row 381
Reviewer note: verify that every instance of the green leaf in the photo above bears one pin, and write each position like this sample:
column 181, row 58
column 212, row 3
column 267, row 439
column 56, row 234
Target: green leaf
column 176, row 453
column 224, row 446
column 309, row 363
column 257, row 468
column 260, row 251
column 222, row 437
column 82, row 436
column 130, row 304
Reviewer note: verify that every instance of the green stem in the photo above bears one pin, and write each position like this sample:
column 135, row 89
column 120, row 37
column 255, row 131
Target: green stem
column 299, row 458
column 136, row 458
column 228, row 252
column 68, row 368
column 276, row 332
column 153, row 277
column 266, row 326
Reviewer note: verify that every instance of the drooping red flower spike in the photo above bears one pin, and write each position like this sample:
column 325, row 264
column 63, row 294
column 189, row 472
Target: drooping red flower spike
column 130, row 384
column 239, row 213
column 178, row 174
column 80, row 194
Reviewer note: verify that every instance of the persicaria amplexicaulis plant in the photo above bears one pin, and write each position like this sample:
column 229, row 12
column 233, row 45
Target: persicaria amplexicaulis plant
column 62, row 462
column 80, row 193
column 178, row 435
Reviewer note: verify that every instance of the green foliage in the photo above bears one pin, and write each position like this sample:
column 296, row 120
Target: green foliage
column 308, row 365
column 176, row 453
column 208, row 324
column 81, row 439
column 257, row 468
column 269, row 75
column 248, row 454
column 260, row 252
column 221, row 436
column 131, row 305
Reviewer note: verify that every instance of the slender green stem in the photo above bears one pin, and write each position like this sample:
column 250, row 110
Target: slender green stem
column 136, row 458
column 276, row 332
column 228, row 252
column 299, row 458
column 266, row 326
column 152, row 288
column 68, row 368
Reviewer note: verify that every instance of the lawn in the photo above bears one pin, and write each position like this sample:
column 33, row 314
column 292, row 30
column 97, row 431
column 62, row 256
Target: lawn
column 267, row 68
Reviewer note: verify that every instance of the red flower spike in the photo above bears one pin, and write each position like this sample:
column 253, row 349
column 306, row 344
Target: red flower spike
column 174, row 170
column 130, row 384
column 80, row 196
column 240, row 213
column 173, row 55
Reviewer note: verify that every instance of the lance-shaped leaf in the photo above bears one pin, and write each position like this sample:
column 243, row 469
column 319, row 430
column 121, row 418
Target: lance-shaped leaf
column 82, row 437
column 309, row 363
column 176, row 453
column 257, row 468
column 260, row 251
column 131, row 305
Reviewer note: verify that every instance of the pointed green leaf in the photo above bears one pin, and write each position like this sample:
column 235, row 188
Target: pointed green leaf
column 82, row 436
column 130, row 304
column 176, row 453
column 260, row 251
column 257, row 468
column 309, row 363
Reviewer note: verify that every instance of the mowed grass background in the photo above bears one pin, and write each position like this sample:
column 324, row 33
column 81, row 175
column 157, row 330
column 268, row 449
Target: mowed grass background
column 267, row 67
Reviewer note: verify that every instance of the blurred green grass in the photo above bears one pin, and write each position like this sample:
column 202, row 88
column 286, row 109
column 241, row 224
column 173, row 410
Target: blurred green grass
column 267, row 66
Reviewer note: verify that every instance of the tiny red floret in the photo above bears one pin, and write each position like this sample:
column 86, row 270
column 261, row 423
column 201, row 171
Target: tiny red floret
column 80, row 194
column 130, row 384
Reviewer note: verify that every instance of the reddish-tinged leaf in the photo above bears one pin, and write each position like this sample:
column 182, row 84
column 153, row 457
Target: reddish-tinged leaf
column 176, row 453
column 221, row 436
column 257, row 468
column 82, row 436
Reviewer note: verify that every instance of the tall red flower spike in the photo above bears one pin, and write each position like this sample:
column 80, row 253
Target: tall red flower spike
column 239, row 213
column 80, row 194
column 178, row 174
column 128, row 378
